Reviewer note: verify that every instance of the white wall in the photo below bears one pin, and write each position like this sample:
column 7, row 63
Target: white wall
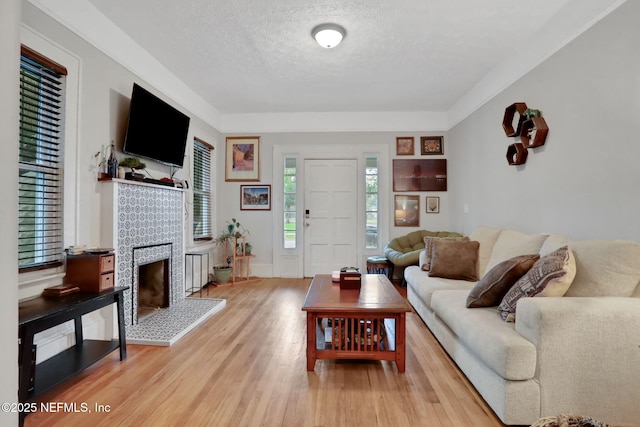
column 103, row 105
column 262, row 237
column 9, row 70
column 101, row 98
column 584, row 182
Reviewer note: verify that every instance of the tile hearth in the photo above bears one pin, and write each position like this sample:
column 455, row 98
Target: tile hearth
column 168, row 325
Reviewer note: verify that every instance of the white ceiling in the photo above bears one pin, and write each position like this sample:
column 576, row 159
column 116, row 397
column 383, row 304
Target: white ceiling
column 256, row 58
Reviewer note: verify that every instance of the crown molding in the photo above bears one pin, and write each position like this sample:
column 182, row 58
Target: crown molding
column 84, row 19
column 576, row 17
column 335, row 122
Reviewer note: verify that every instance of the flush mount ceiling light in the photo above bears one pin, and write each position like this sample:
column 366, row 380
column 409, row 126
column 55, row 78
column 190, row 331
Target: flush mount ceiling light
column 328, row 35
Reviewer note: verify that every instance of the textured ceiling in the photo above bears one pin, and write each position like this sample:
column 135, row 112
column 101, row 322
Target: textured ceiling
column 248, row 56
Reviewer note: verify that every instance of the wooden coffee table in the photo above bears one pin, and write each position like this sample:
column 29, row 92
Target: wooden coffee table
column 355, row 324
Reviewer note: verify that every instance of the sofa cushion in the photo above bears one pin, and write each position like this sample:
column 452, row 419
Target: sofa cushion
column 425, row 259
column 512, row 243
column 424, row 286
column 605, row 268
column 487, row 237
column 490, row 290
column 550, row 276
column 493, row 341
column 553, row 242
column 454, row 259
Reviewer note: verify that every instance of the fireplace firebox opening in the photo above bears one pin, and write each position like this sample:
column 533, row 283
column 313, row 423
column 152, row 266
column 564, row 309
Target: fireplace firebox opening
column 153, row 287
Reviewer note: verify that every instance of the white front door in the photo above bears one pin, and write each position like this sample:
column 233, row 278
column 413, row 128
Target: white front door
column 330, row 215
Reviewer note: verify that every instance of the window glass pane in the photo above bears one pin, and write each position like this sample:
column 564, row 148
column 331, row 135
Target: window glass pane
column 40, row 174
column 371, row 202
column 202, row 222
column 290, row 184
column 290, row 203
column 289, row 240
column 372, row 230
column 372, row 183
column 290, row 163
column 372, row 162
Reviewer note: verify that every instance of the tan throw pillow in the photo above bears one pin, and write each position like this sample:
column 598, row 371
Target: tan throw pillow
column 454, row 259
column 425, row 260
column 490, row 290
column 550, row 276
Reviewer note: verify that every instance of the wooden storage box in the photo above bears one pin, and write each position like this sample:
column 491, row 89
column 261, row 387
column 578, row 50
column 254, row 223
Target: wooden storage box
column 92, row 273
column 350, row 280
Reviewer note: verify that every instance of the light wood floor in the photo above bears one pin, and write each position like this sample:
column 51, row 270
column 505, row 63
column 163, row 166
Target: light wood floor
column 246, row 366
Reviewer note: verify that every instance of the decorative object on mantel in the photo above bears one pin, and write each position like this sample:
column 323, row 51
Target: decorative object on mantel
column 112, row 162
column 531, row 129
column 133, row 163
column 101, row 157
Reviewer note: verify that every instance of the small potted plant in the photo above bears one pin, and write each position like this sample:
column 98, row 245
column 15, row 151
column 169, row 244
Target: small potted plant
column 133, row 163
column 222, row 273
column 101, row 158
column 233, row 231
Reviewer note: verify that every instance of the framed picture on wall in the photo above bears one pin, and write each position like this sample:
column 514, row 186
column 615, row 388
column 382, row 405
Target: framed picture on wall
column 419, row 175
column 405, row 146
column 433, row 204
column 406, row 211
column 242, row 159
column 255, row 197
column 431, row 145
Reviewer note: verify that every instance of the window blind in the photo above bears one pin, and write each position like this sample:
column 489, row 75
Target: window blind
column 202, row 229
column 40, row 208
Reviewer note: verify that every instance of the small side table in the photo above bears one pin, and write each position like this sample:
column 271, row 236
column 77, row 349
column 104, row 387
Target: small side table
column 202, row 283
column 380, row 265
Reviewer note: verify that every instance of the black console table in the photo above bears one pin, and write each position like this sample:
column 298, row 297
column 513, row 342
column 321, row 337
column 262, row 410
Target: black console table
column 41, row 313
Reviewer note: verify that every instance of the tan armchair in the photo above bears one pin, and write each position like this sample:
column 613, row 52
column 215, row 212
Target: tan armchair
column 405, row 250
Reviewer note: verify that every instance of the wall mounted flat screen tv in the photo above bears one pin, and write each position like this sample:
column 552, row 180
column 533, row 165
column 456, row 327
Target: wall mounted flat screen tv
column 155, row 130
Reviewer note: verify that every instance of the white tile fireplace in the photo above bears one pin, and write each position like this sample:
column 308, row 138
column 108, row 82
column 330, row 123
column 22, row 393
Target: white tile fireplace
column 144, row 223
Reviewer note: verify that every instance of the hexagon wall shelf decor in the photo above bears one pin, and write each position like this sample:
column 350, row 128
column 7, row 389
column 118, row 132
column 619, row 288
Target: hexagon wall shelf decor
column 516, row 154
column 509, row 114
column 534, row 132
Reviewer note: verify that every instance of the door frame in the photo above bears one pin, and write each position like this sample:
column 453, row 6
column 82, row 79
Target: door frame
column 290, row 262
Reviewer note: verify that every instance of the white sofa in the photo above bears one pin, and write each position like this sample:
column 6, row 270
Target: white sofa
column 579, row 353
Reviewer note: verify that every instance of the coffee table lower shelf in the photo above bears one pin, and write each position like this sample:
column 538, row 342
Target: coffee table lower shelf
column 334, row 335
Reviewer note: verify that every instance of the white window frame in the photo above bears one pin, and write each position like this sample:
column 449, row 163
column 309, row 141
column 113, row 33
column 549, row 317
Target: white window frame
column 377, row 193
column 284, row 260
column 209, row 190
column 32, row 39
